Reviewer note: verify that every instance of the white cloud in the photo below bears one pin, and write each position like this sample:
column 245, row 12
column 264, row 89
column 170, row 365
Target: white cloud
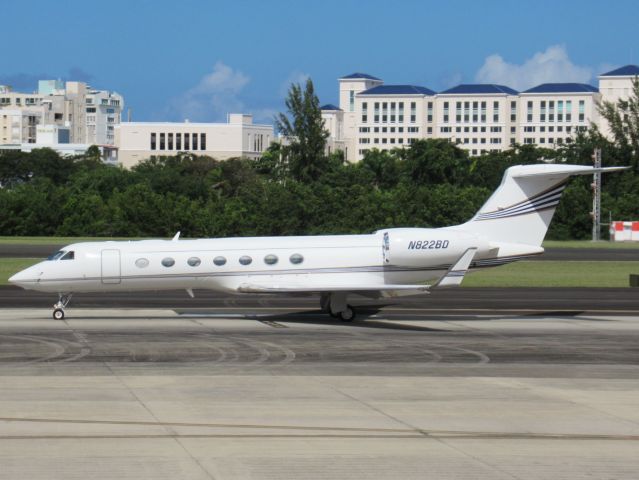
column 215, row 95
column 552, row 65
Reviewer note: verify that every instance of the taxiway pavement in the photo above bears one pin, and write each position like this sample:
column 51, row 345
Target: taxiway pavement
column 158, row 393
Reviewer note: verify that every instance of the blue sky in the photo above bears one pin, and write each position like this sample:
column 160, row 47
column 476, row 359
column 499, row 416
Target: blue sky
column 202, row 59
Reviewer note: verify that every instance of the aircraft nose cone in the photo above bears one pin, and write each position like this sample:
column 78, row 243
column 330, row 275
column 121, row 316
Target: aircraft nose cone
column 23, row 278
column 15, row 279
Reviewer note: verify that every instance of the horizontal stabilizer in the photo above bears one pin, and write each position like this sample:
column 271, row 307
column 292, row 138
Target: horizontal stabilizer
column 554, row 169
column 456, row 273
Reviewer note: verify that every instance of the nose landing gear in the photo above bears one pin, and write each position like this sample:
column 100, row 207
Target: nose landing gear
column 58, row 308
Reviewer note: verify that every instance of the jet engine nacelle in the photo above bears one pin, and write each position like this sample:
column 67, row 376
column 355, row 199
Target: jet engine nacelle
column 414, row 247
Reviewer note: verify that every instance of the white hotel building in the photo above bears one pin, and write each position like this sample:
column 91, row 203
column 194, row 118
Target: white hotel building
column 476, row 117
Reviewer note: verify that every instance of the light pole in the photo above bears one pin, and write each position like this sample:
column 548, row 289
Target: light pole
column 596, row 197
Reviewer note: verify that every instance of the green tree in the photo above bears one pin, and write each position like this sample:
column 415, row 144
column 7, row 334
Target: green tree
column 305, row 130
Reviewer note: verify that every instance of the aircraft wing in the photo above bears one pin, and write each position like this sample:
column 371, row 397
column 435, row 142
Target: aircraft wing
column 257, row 288
column 452, row 278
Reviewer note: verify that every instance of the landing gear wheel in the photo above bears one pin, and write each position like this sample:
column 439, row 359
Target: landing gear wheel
column 347, row 315
column 58, row 314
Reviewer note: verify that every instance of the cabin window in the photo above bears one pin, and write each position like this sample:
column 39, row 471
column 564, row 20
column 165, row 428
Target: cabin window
column 194, row 261
column 270, row 259
column 219, row 261
column 141, row 263
column 68, row 256
column 245, row 260
column 168, row 262
column 296, row 258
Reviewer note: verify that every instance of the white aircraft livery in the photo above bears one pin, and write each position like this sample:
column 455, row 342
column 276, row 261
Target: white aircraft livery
column 510, row 226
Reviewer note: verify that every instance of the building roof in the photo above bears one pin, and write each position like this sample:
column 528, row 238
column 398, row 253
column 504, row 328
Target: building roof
column 563, row 88
column 397, row 90
column 628, row 70
column 360, row 75
column 329, row 106
column 480, row 88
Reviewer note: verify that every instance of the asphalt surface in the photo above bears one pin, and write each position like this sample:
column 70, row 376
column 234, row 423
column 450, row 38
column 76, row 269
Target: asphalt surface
column 277, row 391
column 396, row 343
column 584, row 254
column 463, row 300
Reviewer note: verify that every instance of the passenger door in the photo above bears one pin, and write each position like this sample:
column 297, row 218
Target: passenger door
column 111, row 266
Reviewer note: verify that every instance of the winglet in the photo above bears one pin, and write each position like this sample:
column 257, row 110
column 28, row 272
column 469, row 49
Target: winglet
column 176, row 237
column 456, row 273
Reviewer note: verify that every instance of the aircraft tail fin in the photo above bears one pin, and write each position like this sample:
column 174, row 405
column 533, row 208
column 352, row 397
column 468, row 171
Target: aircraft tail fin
column 521, row 208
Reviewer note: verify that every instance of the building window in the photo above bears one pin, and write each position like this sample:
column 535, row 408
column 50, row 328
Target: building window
column 529, row 116
column 296, row 258
column 194, row 261
column 351, row 100
column 219, row 261
column 170, row 141
column 270, row 259
column 245, row 260
column 194, row 141
column 168, row 262
column 153, row 144
column 162, row 141
column 202, row 141
column 429, row 114
column 187, row 142
column 178, row 141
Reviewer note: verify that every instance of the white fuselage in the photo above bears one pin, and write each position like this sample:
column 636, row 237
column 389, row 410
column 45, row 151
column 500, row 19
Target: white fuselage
column 392, row 256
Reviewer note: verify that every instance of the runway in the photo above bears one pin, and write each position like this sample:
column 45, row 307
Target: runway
column 619, row 301
column 263, row 394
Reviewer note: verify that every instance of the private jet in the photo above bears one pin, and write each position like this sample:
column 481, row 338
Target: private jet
column 391, row 262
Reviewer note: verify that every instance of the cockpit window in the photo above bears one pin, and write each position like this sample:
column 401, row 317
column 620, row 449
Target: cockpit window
column 56, row 255
column 68, row 256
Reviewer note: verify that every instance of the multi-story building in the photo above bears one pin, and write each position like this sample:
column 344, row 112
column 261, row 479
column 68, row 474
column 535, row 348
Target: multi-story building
column 90, row 115
column 239, row 137
column 552, row 113
column 476, row 117
column 103, row 113
column 616, row 85
column 479, row 118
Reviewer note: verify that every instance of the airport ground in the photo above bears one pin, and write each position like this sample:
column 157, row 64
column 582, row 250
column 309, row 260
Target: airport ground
column 258, row 387
column 481, row 383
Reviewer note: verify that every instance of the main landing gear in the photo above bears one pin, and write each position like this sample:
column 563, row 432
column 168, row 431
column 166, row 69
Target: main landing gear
column 58, row 308
column 335, row 305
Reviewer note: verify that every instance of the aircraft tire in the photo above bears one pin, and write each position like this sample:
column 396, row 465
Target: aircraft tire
column 58, row 314
column 347, row 315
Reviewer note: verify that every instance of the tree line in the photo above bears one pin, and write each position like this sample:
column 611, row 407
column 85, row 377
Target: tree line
column 297, row 188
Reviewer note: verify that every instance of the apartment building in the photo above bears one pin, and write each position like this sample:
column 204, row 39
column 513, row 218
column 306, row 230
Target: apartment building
column 239, row 137
column 476, row 117
column 89, row 114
